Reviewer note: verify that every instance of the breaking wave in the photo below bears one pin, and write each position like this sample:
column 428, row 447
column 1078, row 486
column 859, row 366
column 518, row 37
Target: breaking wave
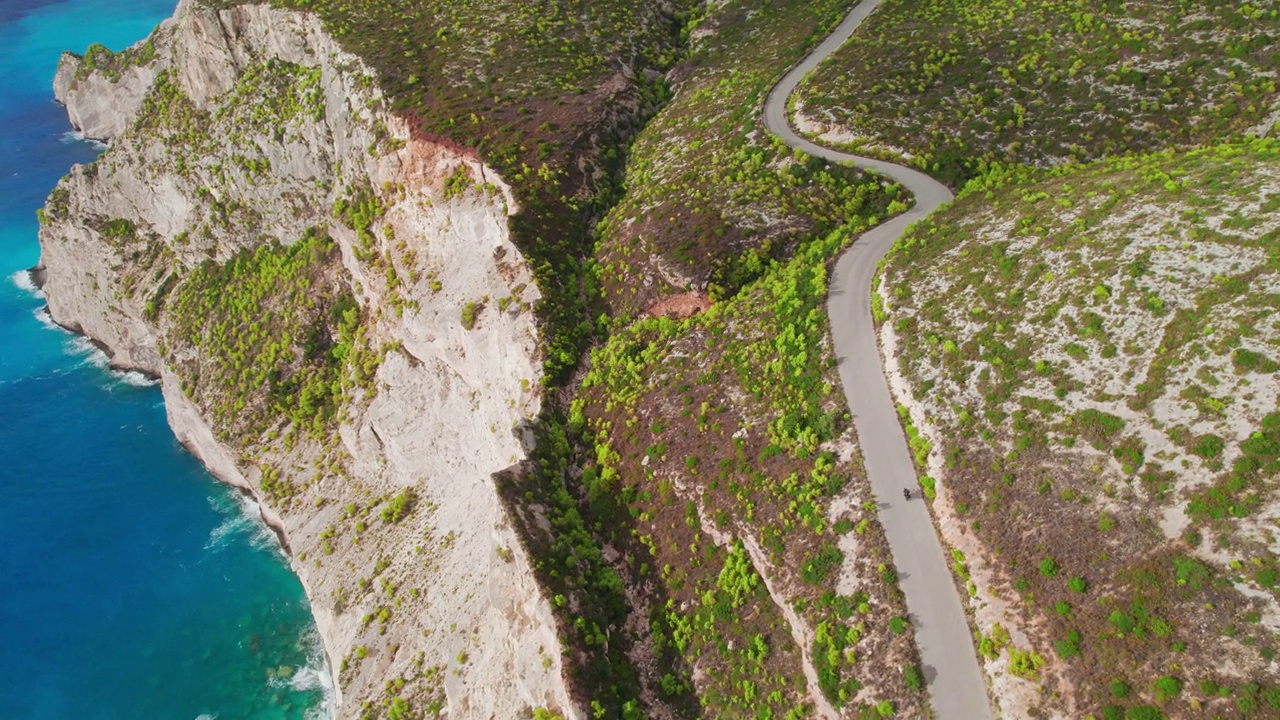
column 241, row 518
column 134, row 378
column 22, row 279
column 312, row 677
column 75, row 136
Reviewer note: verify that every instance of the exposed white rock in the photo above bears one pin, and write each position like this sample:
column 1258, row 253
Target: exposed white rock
column 449, row 401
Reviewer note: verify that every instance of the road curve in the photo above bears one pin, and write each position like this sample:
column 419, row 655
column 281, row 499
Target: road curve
column 955, row 681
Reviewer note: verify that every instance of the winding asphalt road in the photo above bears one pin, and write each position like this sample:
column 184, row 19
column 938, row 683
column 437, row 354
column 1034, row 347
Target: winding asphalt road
column 950, row 664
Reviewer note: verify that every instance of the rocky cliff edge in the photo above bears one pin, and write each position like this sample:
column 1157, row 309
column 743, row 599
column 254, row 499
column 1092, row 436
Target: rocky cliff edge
column 240, row 133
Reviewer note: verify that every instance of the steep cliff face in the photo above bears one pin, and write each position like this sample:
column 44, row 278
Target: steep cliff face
column 259, row 214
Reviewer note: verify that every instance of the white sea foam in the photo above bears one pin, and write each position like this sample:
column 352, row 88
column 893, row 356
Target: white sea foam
column 92, row 354
column 315, row 676
column 231, row 526
column 134, row 378
column 207, row 716
column 75, row 136
column 311, row 677
column 78, row 345
column 42, row 315
column 308, row 678
column 241, row 517
column 23, row 280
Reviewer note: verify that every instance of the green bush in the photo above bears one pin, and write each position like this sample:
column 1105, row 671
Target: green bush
column 1167, row 688
column 1249, row 361
column 1025, row 664
column 913, row 678
column 1122, row 621
column 1070, row 646
column 816, row 569
column 930, row 486
column 400, row 506
column 470, row 312
column 1208, row 447
column 1098, row 427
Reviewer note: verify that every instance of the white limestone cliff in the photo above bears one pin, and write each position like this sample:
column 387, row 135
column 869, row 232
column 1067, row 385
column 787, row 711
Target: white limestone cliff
column 467, row 626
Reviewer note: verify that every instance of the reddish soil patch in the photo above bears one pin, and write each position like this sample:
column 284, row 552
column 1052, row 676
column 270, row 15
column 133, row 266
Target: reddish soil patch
column 680, row 307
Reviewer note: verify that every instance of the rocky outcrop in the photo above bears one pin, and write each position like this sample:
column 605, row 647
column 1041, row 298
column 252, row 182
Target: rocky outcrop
column 238, row 129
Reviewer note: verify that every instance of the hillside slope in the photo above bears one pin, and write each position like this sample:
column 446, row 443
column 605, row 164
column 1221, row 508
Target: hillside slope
column 970, row 82
column 1091, row 353
column 720, row 462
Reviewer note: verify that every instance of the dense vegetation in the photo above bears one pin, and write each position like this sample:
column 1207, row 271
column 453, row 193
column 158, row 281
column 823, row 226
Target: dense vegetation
column 1098, row 344
column 711, row 198
column 726, row 425
column 279, row 343
column 709, row 448
column 974, row 81
column 97, row 58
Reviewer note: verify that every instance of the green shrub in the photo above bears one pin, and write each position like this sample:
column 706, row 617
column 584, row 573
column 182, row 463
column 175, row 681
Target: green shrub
column 1098, row 427
column 1167, row 688
column 1120, row 689
column 470, row 312
column 1025, row 664
column 1249, row 361
column 398, row 709
column 929, row 486
column 1048, row 567
column 1191, row 572
column 1209, row 447
column 1070, row 646
column 1122, row 621
column 816, row 569
column 400, row 506
column 1078, row 584
column 1271, row 696
column 913, row 678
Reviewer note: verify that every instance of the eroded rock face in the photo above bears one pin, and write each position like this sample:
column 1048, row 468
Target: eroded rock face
column 241, row 129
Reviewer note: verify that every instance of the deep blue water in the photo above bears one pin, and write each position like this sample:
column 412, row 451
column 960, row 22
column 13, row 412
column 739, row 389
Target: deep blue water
column 132, row 585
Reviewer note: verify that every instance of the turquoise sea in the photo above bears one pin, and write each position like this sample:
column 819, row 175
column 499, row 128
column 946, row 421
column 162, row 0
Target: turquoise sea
column 132, row 585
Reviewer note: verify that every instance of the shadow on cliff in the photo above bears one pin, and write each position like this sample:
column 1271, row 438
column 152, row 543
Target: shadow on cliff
column 586, row 555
